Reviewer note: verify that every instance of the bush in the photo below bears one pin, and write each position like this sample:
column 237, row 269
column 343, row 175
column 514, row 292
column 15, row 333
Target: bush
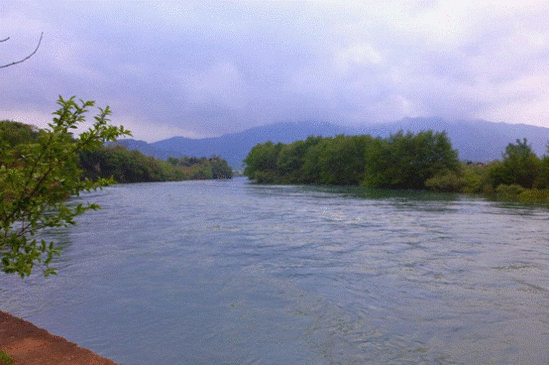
column 542, row 180
column 450, row 182
column 520, row 166
column 407, row 161
column 509, row 192
column 6, row 359
column 534, row 196
column 267, row 177
column 476, row 179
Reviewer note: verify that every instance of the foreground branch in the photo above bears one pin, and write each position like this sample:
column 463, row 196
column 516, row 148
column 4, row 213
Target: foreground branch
column 26, row 58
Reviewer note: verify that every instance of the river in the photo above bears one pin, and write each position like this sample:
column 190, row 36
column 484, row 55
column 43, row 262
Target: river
column 227, row 272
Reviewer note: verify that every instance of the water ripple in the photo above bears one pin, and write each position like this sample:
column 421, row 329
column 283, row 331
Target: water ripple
column 228, row 272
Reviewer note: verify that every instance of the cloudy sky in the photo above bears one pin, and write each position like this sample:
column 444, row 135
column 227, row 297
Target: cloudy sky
column 206, row 68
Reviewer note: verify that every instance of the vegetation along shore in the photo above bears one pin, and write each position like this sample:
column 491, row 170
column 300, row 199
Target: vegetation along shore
column 124, row 166
column 425, row 160
column 40, row 168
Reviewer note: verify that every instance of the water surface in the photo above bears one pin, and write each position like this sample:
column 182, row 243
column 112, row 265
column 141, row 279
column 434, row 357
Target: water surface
column 228, row 272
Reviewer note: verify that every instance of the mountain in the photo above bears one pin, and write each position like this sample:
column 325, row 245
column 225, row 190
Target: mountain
column 477, row 140
column 235, row 146
column 146, row 148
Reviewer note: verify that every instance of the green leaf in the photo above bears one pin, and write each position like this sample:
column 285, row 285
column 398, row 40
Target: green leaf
column 39, row 172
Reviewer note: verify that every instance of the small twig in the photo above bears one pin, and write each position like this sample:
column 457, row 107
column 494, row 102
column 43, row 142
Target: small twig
column 26, row 58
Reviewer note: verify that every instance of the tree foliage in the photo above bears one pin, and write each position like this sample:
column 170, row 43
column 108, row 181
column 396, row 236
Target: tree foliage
column 520, row 166
column 425, row 160
column 38, row 171
column 407, row 161
column 14, row 133
column 126, row 166
column 261, row 163
column 400, row 161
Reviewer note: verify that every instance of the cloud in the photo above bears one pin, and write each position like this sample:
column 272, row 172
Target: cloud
column 204, row 68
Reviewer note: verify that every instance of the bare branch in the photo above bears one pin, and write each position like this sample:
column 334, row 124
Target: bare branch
column 26, row 58
column 3, row 40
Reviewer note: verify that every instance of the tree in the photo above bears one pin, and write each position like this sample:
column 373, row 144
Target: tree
column 36, row 178
column 261, row 163
column 407, row 161
column 342, row 161
column 15, row 133
column 520, row 166
column 27, row 57
column 311, row 167
column 220, row 168
column 291, row 158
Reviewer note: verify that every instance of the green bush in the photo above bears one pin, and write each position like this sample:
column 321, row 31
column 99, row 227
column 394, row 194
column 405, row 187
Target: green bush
column 476, row 179
column 508, row 192
column 38, row 171
column 267, row 177
column 449, row 182
column 520, row 166
column 534, row 196
column 542, row 180
column 407, row 161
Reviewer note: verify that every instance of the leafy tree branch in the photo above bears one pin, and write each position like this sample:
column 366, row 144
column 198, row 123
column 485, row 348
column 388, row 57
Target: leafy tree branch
column 39, row 170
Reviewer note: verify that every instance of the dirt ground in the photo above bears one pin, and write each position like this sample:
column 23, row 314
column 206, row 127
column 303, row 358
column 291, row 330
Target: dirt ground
column 30, row 345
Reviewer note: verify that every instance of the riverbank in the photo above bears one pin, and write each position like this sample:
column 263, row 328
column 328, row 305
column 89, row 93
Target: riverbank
column 29, row 345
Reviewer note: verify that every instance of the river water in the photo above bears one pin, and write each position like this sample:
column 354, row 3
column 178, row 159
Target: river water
column 227, row 272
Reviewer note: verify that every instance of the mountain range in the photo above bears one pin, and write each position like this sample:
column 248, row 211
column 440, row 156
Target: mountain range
column 478, row 141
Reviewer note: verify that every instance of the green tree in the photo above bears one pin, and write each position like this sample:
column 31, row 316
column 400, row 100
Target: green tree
column 542, row 180
column 261, row 163
column 291, row 158
column 220, row 168
column 14, row 133
column 407, row 161
column 520, row 166
column 36, row 178
column 311, row 167
column 342, row 161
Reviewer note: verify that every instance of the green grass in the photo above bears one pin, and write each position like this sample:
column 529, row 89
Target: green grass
column 6, row 359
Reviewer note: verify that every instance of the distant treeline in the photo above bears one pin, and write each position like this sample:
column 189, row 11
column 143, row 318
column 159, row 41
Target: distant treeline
column 127, row 166
column 425, row 160
column 133, row 166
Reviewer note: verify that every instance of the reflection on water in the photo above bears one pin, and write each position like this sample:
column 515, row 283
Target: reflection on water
column 234, row 273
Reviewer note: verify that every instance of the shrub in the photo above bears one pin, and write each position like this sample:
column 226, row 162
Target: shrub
column 534, row 196
column 450, row 182
column 520, row 166
column 509, row 192
column 476, row 179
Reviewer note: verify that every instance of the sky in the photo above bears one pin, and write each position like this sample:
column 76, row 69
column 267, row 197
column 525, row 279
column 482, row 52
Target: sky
column 206, row 68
